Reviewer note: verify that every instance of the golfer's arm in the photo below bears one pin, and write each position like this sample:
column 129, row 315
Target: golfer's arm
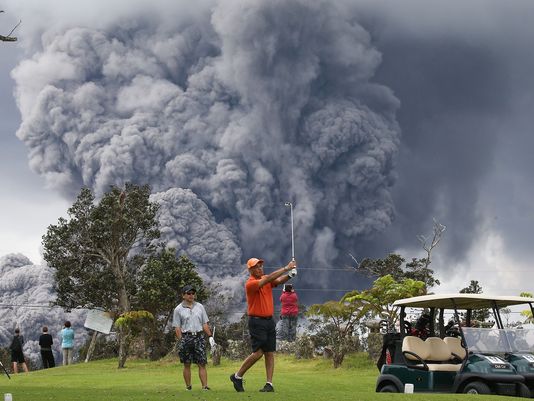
column 178, row 332
column 274, row 275
column 281, row 280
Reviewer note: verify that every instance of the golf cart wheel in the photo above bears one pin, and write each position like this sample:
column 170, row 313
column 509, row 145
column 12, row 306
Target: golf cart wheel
column 524, row 391
column 477, row 388
column 389, row 388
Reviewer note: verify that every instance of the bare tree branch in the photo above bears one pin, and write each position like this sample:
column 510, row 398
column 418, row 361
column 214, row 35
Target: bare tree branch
column 8, row 37
column 438, row 231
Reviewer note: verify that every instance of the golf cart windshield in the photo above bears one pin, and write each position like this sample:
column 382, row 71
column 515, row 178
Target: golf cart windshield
column 495, row 341
column 521, row 340
column 486, row 340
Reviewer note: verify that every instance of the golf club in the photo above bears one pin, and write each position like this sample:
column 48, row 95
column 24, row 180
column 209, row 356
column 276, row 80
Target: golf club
column 290, row 205
column 293, row 272
column 5, row 370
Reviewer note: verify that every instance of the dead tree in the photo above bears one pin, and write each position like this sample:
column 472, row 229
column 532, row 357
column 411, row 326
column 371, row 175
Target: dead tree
column 438, row 231
column 8, row 37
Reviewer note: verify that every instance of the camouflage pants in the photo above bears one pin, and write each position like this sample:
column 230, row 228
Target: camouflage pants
column 192, row 349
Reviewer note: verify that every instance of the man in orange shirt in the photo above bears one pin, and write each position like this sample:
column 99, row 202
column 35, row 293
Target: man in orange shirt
column 259, row 290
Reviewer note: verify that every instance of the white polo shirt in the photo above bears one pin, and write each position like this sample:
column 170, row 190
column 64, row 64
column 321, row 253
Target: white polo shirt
column 190, row 319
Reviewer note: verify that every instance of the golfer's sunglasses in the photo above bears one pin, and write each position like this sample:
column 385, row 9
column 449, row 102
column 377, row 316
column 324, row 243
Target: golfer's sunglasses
column 190, row 293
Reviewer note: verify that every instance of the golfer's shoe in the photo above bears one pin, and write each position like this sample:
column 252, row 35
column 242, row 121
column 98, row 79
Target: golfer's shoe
column 238, row 383
column 188, row 388
column 206, row 388
column 268, row 388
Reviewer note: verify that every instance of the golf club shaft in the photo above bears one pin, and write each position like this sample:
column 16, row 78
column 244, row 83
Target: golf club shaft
column 5, row 371
column 292, row 236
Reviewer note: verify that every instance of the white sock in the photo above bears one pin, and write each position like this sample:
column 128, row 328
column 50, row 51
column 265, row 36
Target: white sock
column 237, row 376
column 269, row 383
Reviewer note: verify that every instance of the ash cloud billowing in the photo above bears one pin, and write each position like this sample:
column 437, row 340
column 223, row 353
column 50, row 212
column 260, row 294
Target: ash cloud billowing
column 462, row 73
column 236, row 107
column 25, row 295
column 227, row 114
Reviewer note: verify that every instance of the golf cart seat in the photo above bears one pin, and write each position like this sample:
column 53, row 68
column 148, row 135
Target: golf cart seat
column 432, row 354
column 440, row 356
column 456, row 348
column 415, row 350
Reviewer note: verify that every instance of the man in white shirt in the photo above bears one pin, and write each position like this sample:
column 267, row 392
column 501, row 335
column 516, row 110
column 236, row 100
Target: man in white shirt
column 191, row 323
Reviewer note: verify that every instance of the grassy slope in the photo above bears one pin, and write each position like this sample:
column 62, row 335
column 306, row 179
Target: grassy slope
column 141, row 380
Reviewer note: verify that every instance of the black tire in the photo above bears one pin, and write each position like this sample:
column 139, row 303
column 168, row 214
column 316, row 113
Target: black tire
column 523, row 391
column 477, row 388
column 389, row 388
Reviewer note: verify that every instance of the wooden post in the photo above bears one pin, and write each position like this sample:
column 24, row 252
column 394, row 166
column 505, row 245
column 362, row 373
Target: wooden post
column 91, row 346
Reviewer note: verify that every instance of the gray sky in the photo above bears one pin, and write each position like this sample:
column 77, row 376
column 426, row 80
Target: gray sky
column 372, row 116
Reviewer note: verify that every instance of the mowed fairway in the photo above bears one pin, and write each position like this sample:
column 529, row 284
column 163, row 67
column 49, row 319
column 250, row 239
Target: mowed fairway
column 295, row 380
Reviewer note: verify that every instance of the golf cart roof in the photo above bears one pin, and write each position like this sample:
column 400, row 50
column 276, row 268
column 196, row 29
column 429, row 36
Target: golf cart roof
column 461, row 301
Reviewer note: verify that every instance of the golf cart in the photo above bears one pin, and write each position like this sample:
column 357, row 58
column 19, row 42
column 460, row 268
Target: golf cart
column 456, row 357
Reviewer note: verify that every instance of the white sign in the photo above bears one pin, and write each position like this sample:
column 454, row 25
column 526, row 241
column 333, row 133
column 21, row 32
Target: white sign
column 99, row 321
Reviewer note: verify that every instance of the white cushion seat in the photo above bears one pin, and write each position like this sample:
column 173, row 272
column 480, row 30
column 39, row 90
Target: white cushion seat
column 455, row 346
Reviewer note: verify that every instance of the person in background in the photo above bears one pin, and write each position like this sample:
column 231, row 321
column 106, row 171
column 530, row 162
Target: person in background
column 45, row 342
column 261, row 327
column 67, row 343
column 190, row 321
column 17, row 356
column 289, row 313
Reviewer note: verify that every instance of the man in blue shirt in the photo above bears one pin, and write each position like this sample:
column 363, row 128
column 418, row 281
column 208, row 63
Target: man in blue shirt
column 191, row 323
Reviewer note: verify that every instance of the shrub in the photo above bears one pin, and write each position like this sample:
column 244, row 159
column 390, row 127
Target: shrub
column 374, row 345
column 304, row 347
column 237, row 349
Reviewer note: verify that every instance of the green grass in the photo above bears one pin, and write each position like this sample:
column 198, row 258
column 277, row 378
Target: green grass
column 295, row 380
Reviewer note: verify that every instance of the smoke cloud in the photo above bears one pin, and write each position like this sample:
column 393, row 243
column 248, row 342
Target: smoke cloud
column 227, row 114
column 231, row 108
column 25, row 295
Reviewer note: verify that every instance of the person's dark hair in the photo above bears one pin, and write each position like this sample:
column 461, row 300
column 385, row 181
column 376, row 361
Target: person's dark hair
column 17, row 331
column 67, row 324
column 288, row 287
column 45, row 329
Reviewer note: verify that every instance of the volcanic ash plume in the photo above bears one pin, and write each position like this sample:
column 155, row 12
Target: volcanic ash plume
column 25, row 295
column 227, row 114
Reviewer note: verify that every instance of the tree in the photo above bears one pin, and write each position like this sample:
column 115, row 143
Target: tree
column 472, row 288
column 392, row 265
column 505, row 313
column 527, row 313
column 480, row 315
column 437, row 233
column 161, row 280
column 417, row 269
column 378, row 300
column 97, row 252
column 8, row 37
column 159, row 286
column 342, row 318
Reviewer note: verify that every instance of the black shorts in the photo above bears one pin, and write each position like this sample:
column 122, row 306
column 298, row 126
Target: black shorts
column 192, row 349
column 262, row 334
column 17, row 356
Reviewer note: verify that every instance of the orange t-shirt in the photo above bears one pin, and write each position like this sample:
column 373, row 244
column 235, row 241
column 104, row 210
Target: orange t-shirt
column 259, row 300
